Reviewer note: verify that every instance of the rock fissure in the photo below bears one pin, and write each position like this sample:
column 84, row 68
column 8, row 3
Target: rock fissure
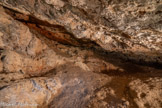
column 51, row 31
column 60, row 34
column 80, row 54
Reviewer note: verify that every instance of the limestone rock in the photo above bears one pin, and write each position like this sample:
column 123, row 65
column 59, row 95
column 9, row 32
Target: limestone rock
column 148, row 92
column 57, row 3
column 31, row 93
column 22, row 50
column 77, row 87
column 80, row 53
column 128, row 27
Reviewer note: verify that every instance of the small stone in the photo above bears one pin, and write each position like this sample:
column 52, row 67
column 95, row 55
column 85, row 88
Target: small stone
column 57, row 3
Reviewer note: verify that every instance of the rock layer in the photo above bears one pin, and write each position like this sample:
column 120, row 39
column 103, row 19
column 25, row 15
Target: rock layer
column 132, row 28
column 80, row 54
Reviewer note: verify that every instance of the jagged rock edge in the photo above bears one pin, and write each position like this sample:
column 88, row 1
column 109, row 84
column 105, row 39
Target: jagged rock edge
column 82, row 43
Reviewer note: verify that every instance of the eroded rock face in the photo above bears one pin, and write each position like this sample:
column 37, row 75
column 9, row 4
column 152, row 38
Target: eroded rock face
column 22, row 49
column 27, row 69
column 67, row 53
column 129, row 27
column 34, row 92
column 138, row 94
column 22, row 53
column 148, row 92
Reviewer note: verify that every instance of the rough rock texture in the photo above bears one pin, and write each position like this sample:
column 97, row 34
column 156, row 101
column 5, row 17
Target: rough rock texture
column 80, row 53
column 149, row 92
column 132, row 28
column 22, row 53
column 20, row 49
column 34, row 92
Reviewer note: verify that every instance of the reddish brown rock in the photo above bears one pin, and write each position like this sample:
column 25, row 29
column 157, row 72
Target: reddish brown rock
column 67, row 53
column 131, row 28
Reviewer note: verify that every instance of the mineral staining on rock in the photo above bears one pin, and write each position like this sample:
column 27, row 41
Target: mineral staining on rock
column 80, row 53
column 128, row 27
column 22, row 50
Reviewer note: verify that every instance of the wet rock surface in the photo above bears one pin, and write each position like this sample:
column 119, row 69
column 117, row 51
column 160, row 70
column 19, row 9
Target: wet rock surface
column 80, row 54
